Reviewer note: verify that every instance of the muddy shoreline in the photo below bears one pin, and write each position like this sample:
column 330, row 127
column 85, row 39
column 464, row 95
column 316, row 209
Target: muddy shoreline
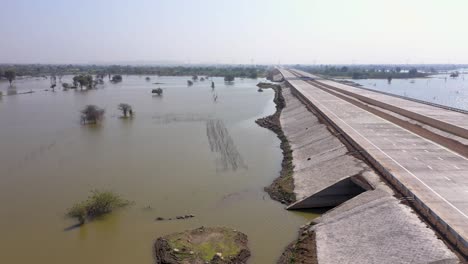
column 282, row 188
column 302, row 250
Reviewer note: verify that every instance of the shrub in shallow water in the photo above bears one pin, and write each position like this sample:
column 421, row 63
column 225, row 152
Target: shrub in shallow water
column 99, row 203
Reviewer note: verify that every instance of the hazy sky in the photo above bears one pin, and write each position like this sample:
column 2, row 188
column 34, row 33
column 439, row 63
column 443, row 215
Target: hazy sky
column 234, row 31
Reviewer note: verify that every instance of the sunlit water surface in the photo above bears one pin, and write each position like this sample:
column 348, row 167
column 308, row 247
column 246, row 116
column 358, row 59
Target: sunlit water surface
column 439, row 89
column 159, row 159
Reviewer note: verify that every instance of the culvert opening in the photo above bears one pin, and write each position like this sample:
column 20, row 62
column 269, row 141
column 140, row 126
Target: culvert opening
column 334, row 194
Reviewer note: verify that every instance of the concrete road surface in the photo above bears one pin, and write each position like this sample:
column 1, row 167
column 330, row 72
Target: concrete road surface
column 436, row 175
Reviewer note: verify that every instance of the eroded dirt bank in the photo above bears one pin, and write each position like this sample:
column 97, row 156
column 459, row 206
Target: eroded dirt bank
column 282, row 188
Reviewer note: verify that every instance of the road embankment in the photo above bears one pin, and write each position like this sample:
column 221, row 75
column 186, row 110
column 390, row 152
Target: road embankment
column 369, row 223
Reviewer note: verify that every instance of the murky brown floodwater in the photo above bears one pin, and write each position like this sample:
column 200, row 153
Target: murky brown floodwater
column 181, row 154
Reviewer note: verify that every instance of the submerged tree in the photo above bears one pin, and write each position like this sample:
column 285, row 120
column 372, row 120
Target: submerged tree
column 389, row 79
column 229, row 78
column 194, row 77
column 454, row 74
column 98, row 204
column 125, row 108
column 212, row 85
column 83, row 80
column 116, row 78
column 91, row 114
column 189, row 83
column 157, row 91
column 100, row 75
column 148, row 79
column 10, row 75
column 53, row 81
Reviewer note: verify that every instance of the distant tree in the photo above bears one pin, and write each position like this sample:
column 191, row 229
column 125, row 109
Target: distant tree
column 253, row 74
column 53, row 81
column 59, row 76
column 91, row 114
column 454, row 74
column 100, row 76
column 10, row 75
column 116, row 78
column 344, row 69
column 398, row 69
column 389, row 79
column 202, row 79
column 125, row 108
column 357, row 75
column 229, row 78
column 413, row 71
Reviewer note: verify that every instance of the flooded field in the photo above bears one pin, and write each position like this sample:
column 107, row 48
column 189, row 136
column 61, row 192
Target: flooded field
column 439, row 89
column 193, row 150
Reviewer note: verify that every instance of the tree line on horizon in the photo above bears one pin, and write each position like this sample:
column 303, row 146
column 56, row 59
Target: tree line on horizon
column 43, row 70
column 370, row 72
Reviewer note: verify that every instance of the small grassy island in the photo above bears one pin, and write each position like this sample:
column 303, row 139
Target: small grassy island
column 203, row 245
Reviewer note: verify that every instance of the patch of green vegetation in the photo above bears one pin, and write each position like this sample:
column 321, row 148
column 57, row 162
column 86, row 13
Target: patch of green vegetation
column 292, row 259
column 205, row 243
column 99, row 203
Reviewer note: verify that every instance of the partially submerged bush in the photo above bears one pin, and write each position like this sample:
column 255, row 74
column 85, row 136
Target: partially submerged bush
column 229, row 78
column 99, row 203
column 157, row 91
